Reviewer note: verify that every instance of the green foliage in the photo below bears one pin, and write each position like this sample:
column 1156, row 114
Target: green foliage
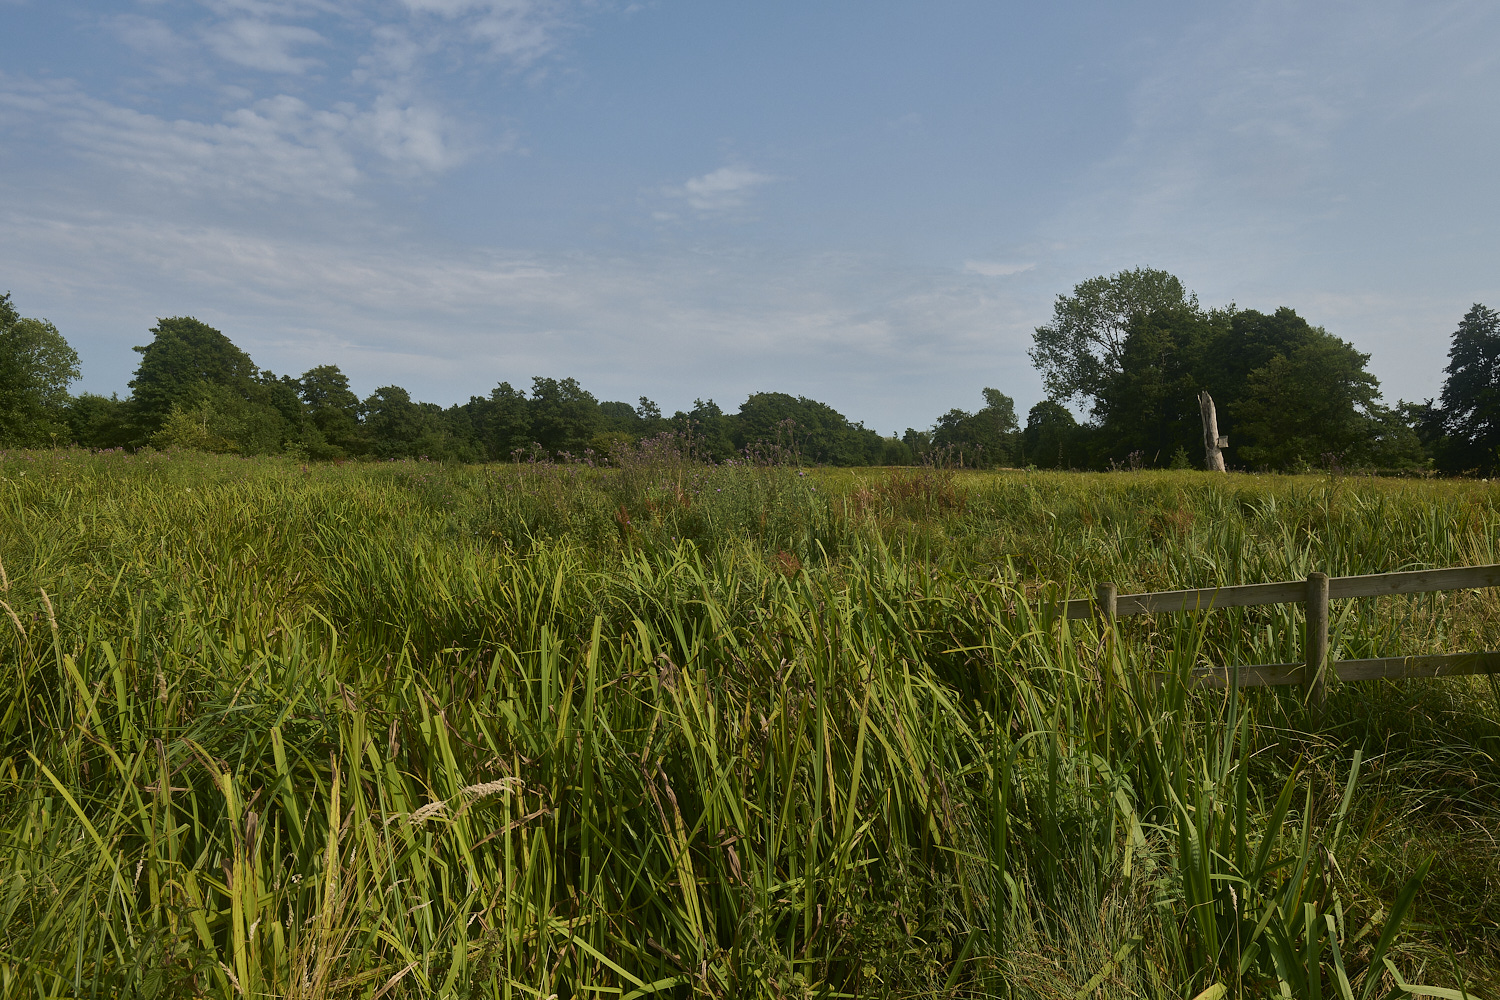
column 717, row 431
column 815, row 431
column 1289, row 395
column 190, row 429
column 218, row 418
column 1053, row 439
column 1150, row 404
column 1084, row 346
column 1308, row 404
column 36, row 368
column 194, row 389
column 1470, row 404
column 895, row 451
column 1135, row 345
column 186, row 359
column 393, row 424
column 500, row 425
column 99, row 421
column 1393, row 439
column 562, row 414
column 332, row 408
column 986, row 438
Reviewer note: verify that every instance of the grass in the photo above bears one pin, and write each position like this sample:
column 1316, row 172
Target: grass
column 670, row 730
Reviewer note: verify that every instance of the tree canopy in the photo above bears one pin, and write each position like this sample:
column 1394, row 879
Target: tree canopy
column 1136, row 348
column 1084, row 345
column 183, row 361
column 984, row 438
column 36, row 368
column 1468, row 418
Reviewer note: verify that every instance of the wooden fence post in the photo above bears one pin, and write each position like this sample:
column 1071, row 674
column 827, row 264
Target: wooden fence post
column 1315, row 673
column 1106, row 599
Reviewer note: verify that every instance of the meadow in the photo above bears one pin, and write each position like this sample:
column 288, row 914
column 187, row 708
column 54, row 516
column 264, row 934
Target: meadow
column 680, row 730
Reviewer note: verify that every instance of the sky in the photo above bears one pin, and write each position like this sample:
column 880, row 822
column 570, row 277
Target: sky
column 869, row 203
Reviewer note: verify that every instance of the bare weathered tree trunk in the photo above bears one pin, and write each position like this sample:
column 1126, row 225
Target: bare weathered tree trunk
column 1212, row 441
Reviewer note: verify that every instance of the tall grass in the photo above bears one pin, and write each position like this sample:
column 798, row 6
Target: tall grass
column 673, row 730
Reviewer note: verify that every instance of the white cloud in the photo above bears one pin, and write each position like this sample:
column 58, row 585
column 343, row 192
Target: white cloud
column 722, row 190
column 294, row 137
column 262, row 45
column 278, row 146
column 520, row 31
column 416, row 138
column 995, row 268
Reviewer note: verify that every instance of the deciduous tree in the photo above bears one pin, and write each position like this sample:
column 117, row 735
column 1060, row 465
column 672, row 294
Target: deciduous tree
column 1149, row 405
column 1309, row 407
column 333, row 409
column 36, row 368
column 183, row 360
column 1084, row 345
column 1053, row 438
column 985, row 438
column 563, row 414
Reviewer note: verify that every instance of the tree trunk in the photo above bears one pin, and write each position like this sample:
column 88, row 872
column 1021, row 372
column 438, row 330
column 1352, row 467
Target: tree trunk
column 1212, row 441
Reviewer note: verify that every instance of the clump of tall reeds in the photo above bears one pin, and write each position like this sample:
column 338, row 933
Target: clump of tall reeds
column 322, row 734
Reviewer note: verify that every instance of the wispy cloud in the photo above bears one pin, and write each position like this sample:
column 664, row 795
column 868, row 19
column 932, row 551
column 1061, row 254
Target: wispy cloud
column 278, row 146
column 261, row 45
column 520, row 31
column 290, row 136
column 996, row 268
column 724, row 190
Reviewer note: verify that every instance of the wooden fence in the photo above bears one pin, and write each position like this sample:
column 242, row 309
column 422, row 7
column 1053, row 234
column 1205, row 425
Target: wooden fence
column 1316, row 591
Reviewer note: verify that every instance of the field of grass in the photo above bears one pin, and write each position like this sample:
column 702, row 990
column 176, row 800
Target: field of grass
column 668, row 730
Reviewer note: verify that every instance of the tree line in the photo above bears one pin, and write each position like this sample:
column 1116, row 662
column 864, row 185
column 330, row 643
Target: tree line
column 1131, row 350
column 194, row 388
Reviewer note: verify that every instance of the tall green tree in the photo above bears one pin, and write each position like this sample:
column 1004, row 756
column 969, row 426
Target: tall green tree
column 1084, row 345
column 712, row 430
column 99, row 421
column 501, row 422
column 1149, row 406
column 1249, row 342
column 564, row 415
column 1469, row 409
column 183, row 361
column 393, row 424
column 1310, row 407
column 1053, row 438
column 985, row 438
column 1137, row 347
column 333, row 409
column 814, row 431
column 36, row 368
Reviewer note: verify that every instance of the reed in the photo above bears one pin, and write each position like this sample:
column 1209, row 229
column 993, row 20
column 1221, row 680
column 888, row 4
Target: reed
column 678, row 730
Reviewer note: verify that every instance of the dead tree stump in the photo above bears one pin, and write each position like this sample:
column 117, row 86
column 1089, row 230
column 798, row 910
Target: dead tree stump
column 1213, row 443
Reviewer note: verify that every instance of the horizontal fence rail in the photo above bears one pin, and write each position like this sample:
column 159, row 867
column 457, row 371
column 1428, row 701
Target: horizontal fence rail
column 1316, row 591
column 1380, row 668
column 1421, row 581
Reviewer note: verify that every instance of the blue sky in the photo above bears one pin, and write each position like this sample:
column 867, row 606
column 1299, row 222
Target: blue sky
column 868, row 203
